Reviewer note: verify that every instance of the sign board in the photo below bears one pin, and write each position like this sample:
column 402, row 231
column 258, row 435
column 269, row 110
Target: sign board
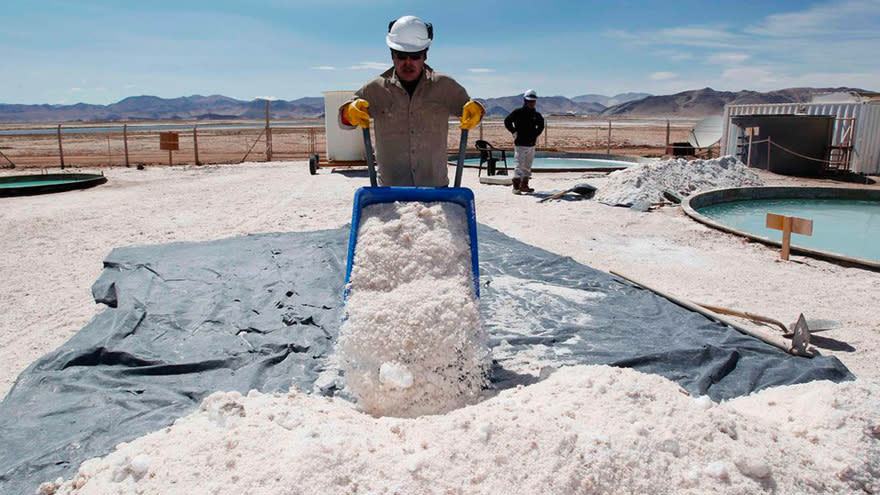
column 169, row 141
column 788, row 225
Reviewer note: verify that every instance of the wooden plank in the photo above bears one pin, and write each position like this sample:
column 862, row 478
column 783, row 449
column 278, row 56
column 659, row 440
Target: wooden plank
column 801, row 226
column 788, row 225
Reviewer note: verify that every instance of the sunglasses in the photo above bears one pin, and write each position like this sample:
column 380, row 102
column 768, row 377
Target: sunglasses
column 408, row 55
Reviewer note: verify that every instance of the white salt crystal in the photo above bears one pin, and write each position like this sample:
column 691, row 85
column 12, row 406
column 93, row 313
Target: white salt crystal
column 395, row 375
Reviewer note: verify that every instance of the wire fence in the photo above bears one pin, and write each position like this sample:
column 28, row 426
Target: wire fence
column 113, row 145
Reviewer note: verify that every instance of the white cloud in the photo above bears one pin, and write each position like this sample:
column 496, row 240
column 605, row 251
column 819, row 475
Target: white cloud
column 75, row 90
column 850, row 18
column 370, row 66
column 269, row 98
column 481, row 70
column 324, row 67
column 728, row 58
column 663, row 76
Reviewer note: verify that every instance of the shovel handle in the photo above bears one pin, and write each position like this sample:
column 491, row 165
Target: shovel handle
column 368, row 151
column 462, row 147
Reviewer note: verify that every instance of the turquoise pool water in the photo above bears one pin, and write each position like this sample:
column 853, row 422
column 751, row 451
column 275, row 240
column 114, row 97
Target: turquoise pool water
column 572, row 163
column 846, row 227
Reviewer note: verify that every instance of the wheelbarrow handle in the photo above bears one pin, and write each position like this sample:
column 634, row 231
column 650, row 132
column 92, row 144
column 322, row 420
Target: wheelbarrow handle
column 462, row 147
column 368, row 151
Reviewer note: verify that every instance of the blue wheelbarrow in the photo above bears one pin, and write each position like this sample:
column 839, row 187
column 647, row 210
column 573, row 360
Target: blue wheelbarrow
column 366, row 196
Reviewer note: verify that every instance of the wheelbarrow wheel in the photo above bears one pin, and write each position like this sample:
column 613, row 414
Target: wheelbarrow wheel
column 313, row 164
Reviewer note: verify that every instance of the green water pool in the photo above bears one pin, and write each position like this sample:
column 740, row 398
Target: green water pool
column 558, row 163
column 843, row 226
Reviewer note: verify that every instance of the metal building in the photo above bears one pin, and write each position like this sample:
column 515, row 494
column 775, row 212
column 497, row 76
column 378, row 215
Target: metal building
column 855, row 134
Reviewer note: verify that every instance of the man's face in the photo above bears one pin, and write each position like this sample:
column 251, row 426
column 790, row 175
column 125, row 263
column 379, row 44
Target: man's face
column 531, row 103
column 409, row 65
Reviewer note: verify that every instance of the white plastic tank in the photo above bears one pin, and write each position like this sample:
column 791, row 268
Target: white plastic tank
column 342, row 144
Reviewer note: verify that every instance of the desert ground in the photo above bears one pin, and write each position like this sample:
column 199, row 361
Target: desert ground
column 54, row 245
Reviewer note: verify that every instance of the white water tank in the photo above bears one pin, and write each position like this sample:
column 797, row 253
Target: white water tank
column 342, row 144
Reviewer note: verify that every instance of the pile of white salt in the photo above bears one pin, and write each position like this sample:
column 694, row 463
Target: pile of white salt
column 582, row 430
column 647, row 181
column 412, row 342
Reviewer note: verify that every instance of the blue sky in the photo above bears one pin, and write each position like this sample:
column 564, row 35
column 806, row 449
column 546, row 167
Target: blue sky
column 64, row 52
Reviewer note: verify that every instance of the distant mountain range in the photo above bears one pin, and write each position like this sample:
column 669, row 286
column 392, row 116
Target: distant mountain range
column 694, row 103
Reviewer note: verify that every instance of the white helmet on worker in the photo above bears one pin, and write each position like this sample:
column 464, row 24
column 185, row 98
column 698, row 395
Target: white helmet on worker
column 530, row 95
column 409, row 34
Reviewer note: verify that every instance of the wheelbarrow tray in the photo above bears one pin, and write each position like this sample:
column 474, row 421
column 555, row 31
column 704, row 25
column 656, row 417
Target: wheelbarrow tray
column 366, row 196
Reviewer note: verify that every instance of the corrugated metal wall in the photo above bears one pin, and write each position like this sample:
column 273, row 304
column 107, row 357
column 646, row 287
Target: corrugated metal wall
column 866, row 142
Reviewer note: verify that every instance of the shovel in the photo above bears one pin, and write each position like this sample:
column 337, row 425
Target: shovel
column 366, row 196
column 585, row 190
column 812, row 325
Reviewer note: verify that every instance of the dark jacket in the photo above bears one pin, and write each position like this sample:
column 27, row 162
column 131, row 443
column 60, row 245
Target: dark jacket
column 526, row 123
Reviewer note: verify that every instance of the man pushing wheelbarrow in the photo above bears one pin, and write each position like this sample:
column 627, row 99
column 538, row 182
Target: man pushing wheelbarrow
column 410, row 105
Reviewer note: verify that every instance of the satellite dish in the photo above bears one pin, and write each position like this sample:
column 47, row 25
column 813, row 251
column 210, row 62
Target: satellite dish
column 706, row 133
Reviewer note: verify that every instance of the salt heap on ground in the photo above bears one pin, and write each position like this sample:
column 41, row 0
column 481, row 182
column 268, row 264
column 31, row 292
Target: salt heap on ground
column 412, row 342
column 647, row 181
column 582, row 430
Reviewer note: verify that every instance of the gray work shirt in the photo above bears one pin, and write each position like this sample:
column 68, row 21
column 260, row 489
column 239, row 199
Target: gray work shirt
column 411, row 133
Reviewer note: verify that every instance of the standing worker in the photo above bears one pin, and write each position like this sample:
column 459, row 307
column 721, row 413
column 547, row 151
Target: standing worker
column 526, row 124
column 410, row 105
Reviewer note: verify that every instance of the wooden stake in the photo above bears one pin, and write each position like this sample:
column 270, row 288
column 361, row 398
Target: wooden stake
column 268, row 135
column 196, row 142
column 667, row 137
column 609, row 138
column 125, row 140
column 788, row 225
column 60, row 148
column 169, row 158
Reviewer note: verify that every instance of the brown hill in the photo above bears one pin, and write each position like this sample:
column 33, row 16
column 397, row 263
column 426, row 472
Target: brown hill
column 705, row 102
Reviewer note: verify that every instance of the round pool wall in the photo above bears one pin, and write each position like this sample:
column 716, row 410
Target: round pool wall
column 602, row 161
column 28, row 185
column 693, row 204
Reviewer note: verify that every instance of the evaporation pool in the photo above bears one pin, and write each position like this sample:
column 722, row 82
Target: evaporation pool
column 27, row 185
column 846, row 221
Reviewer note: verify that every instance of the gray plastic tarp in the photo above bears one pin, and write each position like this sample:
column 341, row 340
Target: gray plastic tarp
column 262, row 312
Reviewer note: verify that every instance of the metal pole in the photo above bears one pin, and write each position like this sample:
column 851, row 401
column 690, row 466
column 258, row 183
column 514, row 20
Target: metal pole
column 60, row 148
column 462, row 147
column 196, row 142
column 125, row 140
column 368, row 151
column 481, row 129
column 109, row 155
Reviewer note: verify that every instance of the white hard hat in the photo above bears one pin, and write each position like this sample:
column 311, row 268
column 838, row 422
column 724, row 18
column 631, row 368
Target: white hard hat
column 409, row 34
column 530, row 95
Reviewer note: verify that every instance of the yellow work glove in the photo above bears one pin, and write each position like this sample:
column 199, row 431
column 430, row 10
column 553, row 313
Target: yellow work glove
column 471, row 114
column 356, row 113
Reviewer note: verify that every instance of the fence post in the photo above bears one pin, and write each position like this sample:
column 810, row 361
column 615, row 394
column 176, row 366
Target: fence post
column 666, row 150
column 60, row 148
column 196, row 142
column 546, row 131
column 608, row 149
column 481, row 129
column 125, row 140
column 268, row 135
